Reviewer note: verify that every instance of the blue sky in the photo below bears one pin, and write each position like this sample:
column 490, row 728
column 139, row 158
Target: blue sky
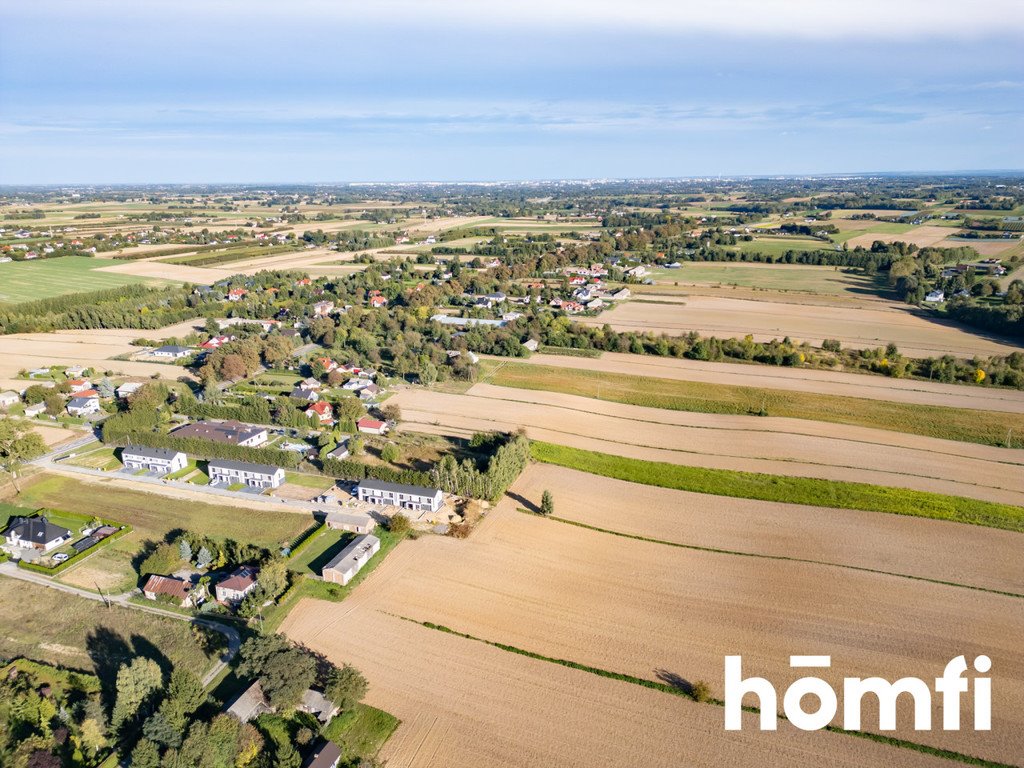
column 108, row 91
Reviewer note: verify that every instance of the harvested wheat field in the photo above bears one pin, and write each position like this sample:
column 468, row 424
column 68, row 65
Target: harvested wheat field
column 923, row 236
column 658, row 612
column 983, row 247
column 858, row 328
column 463, row 703
column 930, row 549
column 751, row 443
column 92, row 348
column 796, row 379
column 156, row 268
column 55, row 436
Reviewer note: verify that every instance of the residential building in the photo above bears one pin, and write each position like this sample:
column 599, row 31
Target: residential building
column 35, row 533
column 415, row 497
column 35, row 410
column 79, row 385
column 227, row 432
column 326, row 754
column 314, row 702
column 347, row 521
column 216, row 342
column 83, row 406
column 182, row 592
column 237, row 294
column 9, row 398
column 306, row 395
column 171, row 352
column 162, row 460
column 323, row 308
column 369, row 392
column 340, row 453
column 237, row 585
column 322, row 410
column 250, row 704
column 371, row 426
column 354, row 385
column 128, row 388
column 226, row 472
column 347, row 563
column 935, row 297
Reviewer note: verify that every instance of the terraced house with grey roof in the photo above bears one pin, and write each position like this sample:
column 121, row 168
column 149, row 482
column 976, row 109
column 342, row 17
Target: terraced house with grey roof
column 162, row 460
column 226, row 472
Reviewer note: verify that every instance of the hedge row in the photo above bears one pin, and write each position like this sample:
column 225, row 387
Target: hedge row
column 304, row 539
column 75, row 558
column 354, row 470
column 207, row 449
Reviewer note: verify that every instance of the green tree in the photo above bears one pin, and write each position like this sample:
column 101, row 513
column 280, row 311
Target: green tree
column 284, row 670
column 399, row 524
column 345, row 686
column 390, row 453
column 18, row 444
column 163, row 560
column 135, row 686
column 547, row 503
column 350, row 409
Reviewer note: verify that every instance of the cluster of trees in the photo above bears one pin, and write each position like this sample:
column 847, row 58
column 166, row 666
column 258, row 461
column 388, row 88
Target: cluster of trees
column 18, row 444
column 50, row 718
column 508, row 456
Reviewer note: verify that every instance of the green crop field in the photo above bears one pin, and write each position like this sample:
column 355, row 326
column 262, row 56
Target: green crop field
column 986, row 427
column 45, row 278
column 791, row 490
column 781, row 277
column 776, row 246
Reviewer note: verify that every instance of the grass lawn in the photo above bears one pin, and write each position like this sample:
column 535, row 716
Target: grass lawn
column 53, row 627
column 361, row 731
column 101, row 458
column 791, row 490
column 986, row 427
column 326, row 544
column 316, row 482
column 153, row 517
column 777, row 277
column 777, row 246
column 44, row 278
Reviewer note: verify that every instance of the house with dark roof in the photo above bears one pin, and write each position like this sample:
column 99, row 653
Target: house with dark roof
column 171, row 352
column 228, row 432
column 326, row 754
column 415, row 497
column 162, row 460
column 35, row 533
column 227, row 472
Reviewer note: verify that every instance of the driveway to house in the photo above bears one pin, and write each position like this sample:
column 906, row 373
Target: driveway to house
column 11, row 570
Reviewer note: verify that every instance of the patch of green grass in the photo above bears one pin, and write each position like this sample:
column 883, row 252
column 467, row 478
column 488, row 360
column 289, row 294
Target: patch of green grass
column 45, row 278
column 314, row 556
column 971, row 426
column 315, row 482
column 790, row 490
column 361, row 731
column 775, row 277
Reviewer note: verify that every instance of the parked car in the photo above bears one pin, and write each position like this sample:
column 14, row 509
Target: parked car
column 60, row 557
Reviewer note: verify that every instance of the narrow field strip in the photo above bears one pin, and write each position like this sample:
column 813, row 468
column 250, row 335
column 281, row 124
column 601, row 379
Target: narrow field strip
column 975, row 426
column 673, row 690
column 783, row 488
column 784, row 558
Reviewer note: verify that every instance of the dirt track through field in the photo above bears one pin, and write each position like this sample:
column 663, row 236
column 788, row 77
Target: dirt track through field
column 755, row 444
column 931, row 549
column 797, row 379
column 650, row 611
column 915, row 334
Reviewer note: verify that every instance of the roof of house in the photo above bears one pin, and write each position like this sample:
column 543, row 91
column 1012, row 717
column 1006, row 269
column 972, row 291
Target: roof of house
column 326, row 754
column 384, row 485
column 36, row 529
column 315, row 702
column 168, row 585
column 244, row 466
column 340, row 452
column 323, row 408
column 369, row 423
column 149, row 453
column 231, row 432
column 82, row 402
column 240, row 579
column 173, row 349
column 250, row 703
column 350, row 555
column 347, row 518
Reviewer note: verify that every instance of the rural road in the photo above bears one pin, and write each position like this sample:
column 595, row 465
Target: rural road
column 11, row 570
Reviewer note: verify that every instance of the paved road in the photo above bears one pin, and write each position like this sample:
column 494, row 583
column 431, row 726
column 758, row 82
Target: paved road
column 11, row 570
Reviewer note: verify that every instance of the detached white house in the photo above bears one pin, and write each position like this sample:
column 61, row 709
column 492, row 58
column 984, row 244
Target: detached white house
column 171, row 352
column 935, row 297
column 163, row 460
column 225, row 472
column 35, row 410
column 235, row 587
column 9, row 398
column 415, row 497
column 347, row 563
column 83, row 406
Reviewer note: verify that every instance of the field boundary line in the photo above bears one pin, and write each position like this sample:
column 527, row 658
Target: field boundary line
column 763, row 556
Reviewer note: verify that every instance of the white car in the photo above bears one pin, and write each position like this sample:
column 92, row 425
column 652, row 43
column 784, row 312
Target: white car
column 60, row 557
